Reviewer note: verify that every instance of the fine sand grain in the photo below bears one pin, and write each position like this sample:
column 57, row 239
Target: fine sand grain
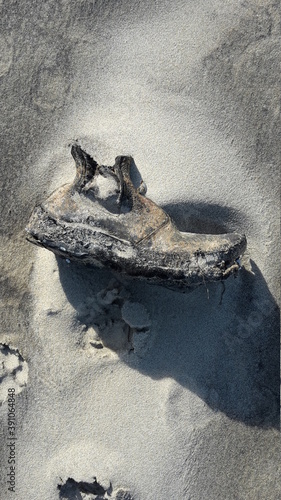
column 126, row 390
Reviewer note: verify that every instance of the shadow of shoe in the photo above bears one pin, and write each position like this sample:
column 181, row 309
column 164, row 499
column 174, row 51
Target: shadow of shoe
column 205, row 218
column 224, row 348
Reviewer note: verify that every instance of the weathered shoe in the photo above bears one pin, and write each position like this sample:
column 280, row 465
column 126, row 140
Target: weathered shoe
column 102, row 219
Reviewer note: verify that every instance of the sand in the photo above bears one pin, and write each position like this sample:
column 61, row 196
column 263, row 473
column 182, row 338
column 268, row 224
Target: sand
column 126, row 390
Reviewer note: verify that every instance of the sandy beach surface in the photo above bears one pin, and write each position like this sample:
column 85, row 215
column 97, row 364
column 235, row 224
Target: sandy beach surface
column 113, row 388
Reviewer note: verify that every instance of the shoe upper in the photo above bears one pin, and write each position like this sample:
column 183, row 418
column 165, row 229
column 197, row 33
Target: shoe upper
column 107, row 199
column 101, row 216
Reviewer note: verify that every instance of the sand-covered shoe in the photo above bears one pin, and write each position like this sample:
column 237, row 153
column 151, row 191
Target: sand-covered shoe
column 102, row 219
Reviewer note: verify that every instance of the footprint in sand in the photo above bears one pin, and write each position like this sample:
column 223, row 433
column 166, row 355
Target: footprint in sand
column 73, row 490
column 13, row 371
column 115, row 322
